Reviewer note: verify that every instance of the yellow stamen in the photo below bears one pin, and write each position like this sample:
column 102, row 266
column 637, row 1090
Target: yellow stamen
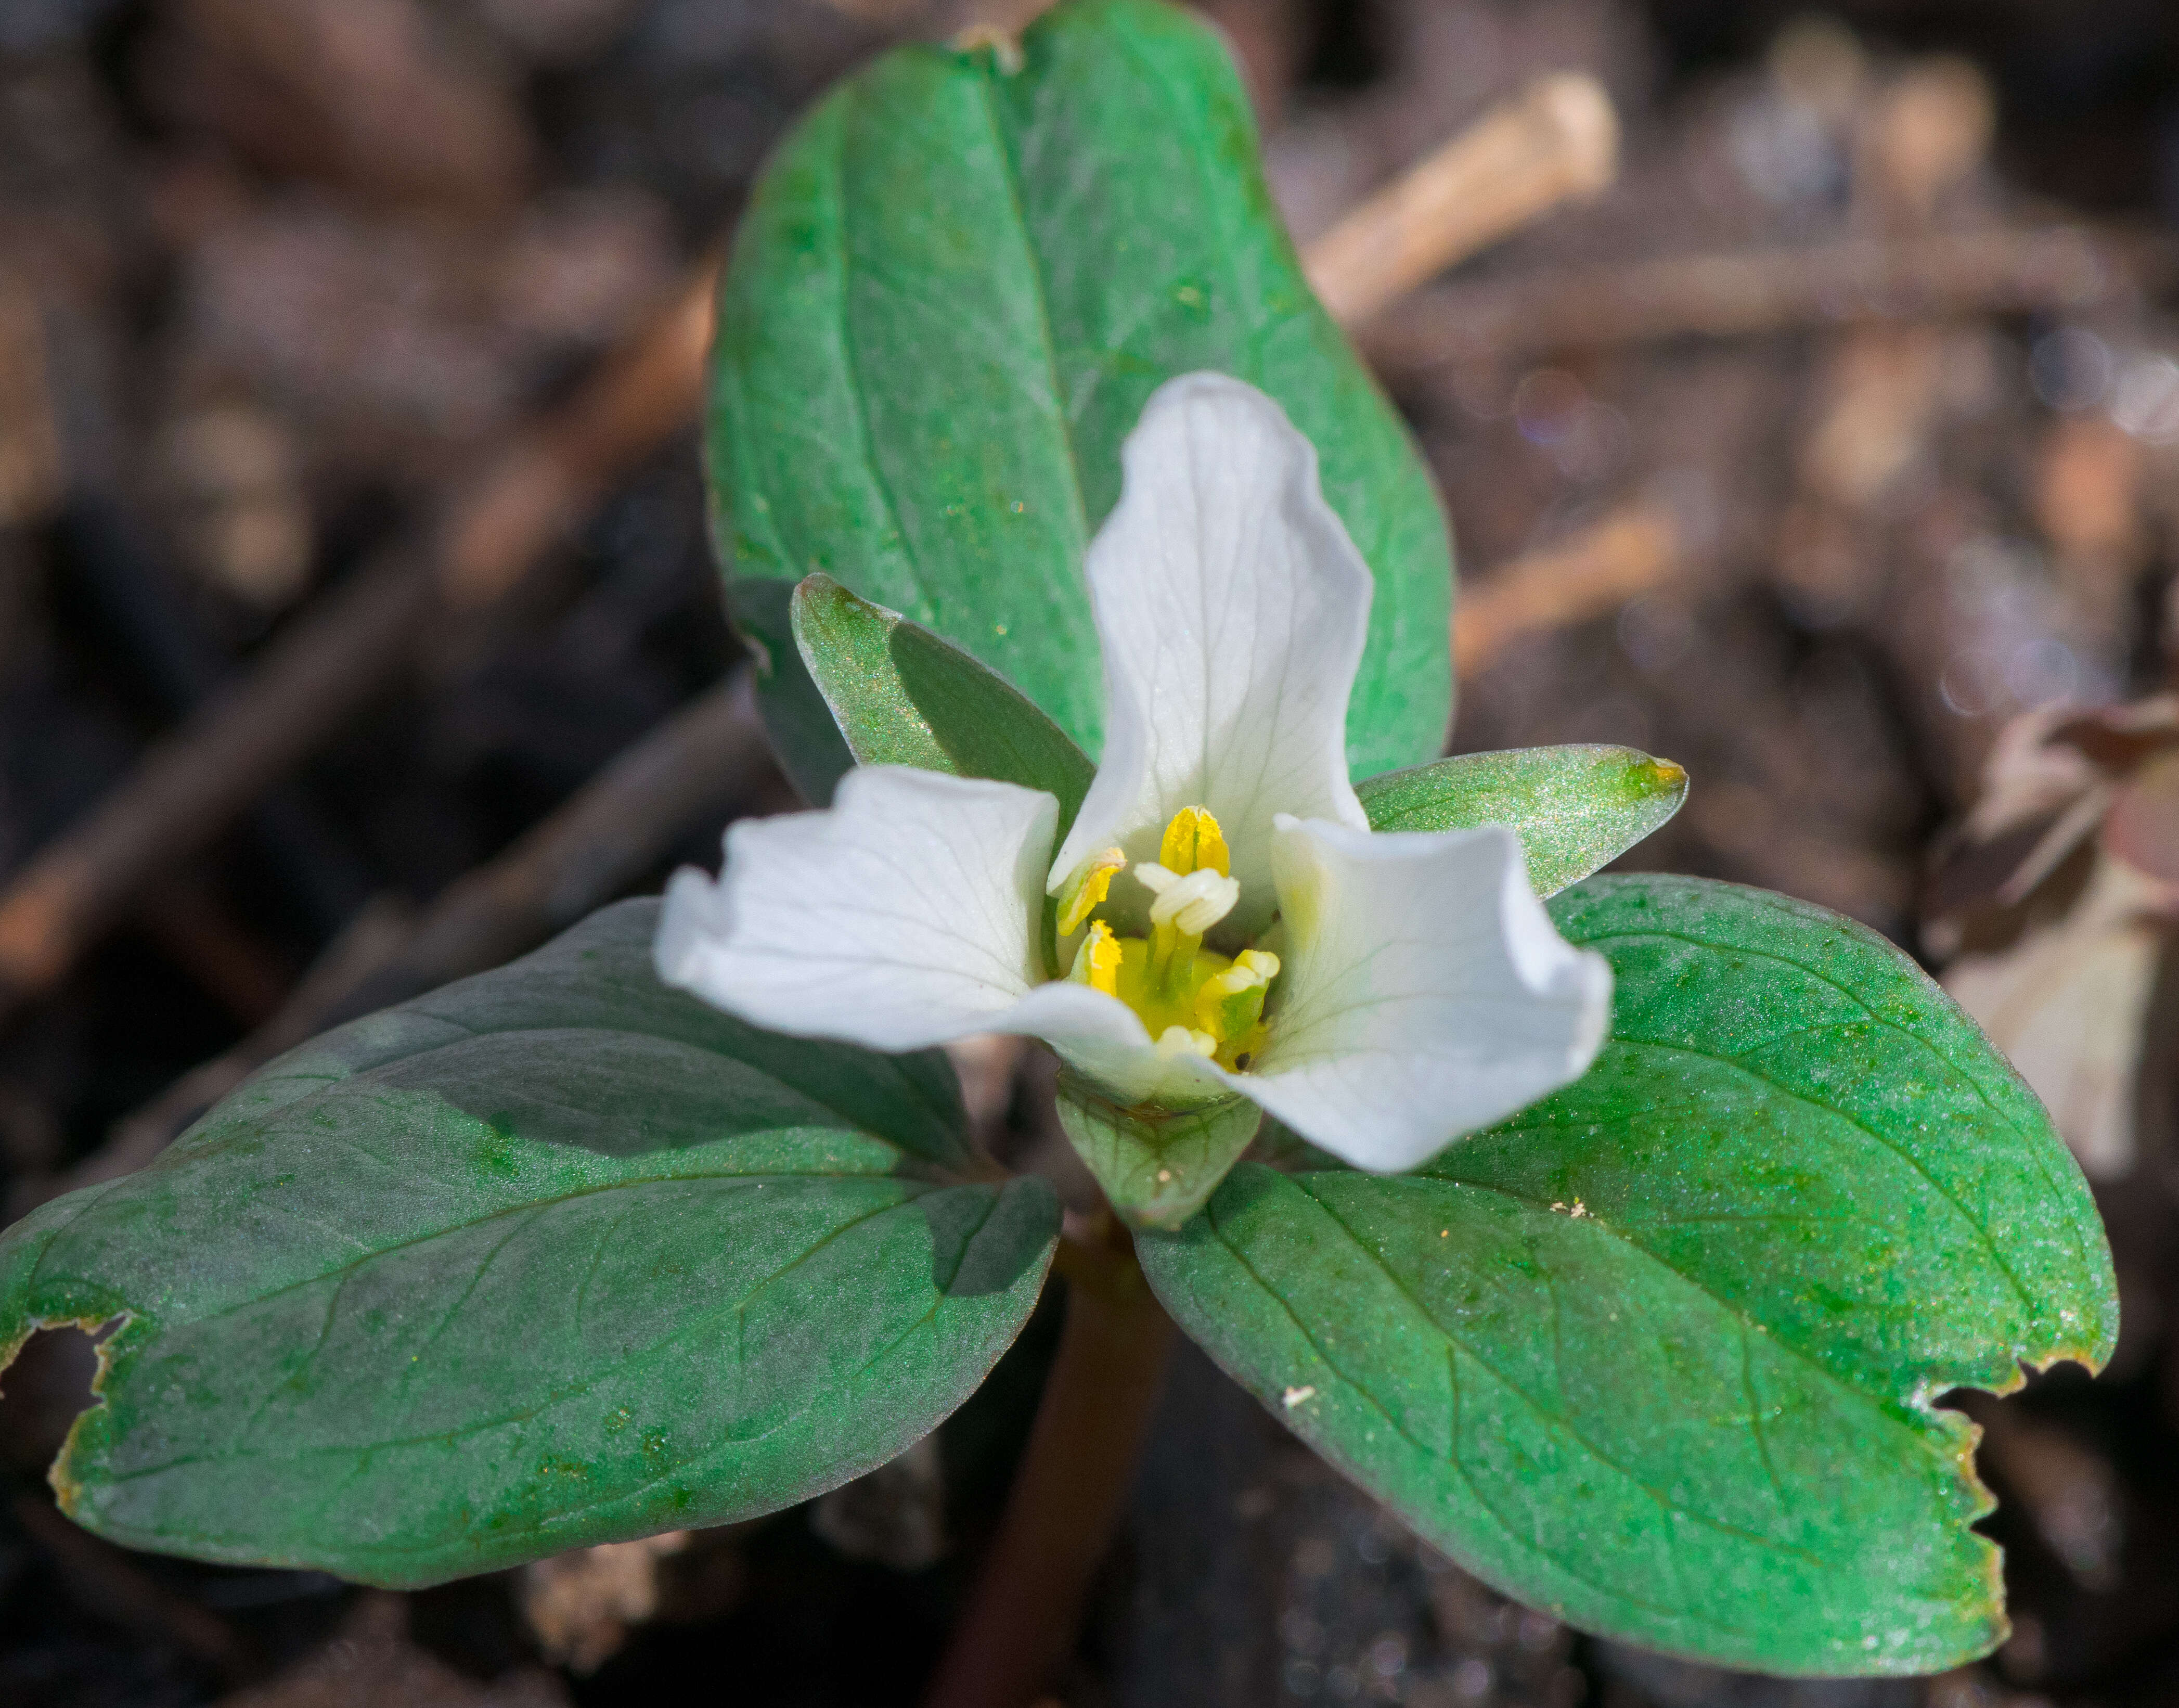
column 1091, row 884
column 1097, row 961
column 1194, row 841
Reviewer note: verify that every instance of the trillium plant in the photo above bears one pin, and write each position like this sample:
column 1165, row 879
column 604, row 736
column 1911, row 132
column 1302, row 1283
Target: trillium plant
column 1622, row 1234
column 1215, row 927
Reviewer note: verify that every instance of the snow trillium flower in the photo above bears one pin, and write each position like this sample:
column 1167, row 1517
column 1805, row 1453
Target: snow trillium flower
column 1223, row 920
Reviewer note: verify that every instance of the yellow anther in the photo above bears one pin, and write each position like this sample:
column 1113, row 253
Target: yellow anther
column 1097, row 961
column 1091, row 884
column 1194, row 841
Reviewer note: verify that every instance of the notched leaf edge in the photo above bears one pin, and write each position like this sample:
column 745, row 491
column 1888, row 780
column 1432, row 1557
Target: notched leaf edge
column 1949, row 1435
column 104, row 1332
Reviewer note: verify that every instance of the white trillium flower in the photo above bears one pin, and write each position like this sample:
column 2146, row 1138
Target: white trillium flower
column 1227, row 921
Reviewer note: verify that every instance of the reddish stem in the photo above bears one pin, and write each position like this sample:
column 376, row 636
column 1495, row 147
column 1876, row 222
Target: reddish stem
column 1026, row 1608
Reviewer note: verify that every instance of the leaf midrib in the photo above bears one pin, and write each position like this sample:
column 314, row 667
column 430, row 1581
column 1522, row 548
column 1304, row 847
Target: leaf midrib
column 1453, row 1457
column 912, row 1188
column 704, row 1320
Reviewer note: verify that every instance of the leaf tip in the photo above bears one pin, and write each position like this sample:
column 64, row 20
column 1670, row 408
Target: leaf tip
column 814, row 592
column 1663, row 776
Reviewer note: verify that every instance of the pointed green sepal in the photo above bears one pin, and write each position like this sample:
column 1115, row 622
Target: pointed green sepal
column 1157, row 1166
column 902, row 696
column 1574, row 808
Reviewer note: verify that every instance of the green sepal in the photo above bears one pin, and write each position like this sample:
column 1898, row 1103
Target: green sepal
column 902, row 696
column 1574, row 808
column 956, row 284
column 550, row 1257
column 1157, row 1167
column 805, row 737
column 1659, row 1355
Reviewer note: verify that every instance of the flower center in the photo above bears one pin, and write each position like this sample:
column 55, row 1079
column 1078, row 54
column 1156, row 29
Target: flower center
column 1191, row 999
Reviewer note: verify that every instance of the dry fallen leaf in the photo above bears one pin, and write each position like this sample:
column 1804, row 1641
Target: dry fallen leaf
column 2065, row 1003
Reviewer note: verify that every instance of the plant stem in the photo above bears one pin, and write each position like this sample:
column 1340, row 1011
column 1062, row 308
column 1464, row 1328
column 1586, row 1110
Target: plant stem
column 1067, row 1496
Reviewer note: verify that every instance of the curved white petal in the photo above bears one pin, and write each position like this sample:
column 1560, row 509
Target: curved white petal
column 1232, row 609
column 1426, row 992
column 907, row 915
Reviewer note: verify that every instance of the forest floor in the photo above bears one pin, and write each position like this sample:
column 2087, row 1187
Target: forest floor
column 1831, row 453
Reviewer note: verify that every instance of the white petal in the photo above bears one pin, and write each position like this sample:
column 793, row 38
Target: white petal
column 907, row 915
column 1426, row 993
column 1231, row 607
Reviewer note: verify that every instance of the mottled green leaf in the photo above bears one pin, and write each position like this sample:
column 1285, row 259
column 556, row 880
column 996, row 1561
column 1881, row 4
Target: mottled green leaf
column 550, row 1257
column 1157, row 1166
column 950, row 296
column 1660, row 1354
column 1574, row 808
column 902, row 696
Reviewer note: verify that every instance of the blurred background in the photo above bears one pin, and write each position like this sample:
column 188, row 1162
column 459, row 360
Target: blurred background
column 358, row 630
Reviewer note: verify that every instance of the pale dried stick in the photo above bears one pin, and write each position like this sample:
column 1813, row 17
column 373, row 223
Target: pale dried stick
column 1559, row 140
column 1628, row 552
column 1943, row 275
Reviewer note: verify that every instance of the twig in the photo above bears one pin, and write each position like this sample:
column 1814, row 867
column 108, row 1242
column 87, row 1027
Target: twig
column 1071, row 1489
column 1628, row 552
column 193, row 783
column 192, row 923
column 559, row 471
column 32, row 470
column 1560, row 140
column 343, row 650
column 145, row 626
column 1946, row 275
column 689, row 774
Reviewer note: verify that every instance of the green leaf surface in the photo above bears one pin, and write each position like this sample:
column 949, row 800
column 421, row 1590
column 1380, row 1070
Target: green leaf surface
column 1574, row 808
column 1660, row 1354
column 902, row 696
column 952, row 293
column 1156, row 1167
column 550, row 1257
